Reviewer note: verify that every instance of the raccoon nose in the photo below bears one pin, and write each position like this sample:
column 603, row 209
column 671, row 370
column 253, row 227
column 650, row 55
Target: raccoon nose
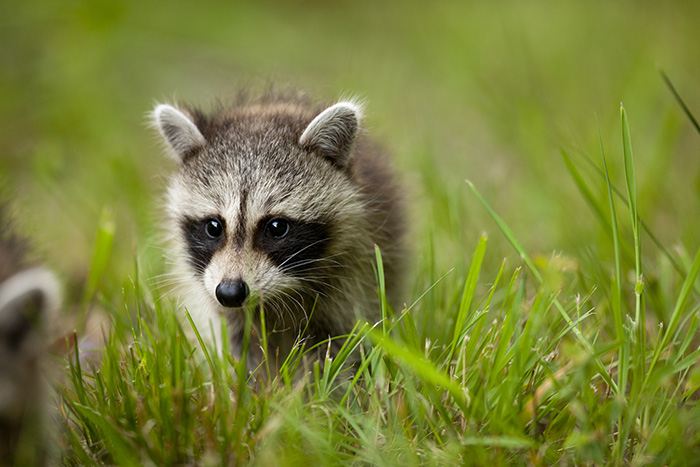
column 232, row 294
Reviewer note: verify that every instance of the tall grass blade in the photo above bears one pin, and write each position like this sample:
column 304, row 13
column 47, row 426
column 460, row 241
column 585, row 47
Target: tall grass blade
column 631, row 190
column 584, row 190
column 680, row 101
column 101, row 253
column 468, row 293
column 508, row 233
column 613, row 223
column 639, row 348
column 616, row 283
column 382, row 287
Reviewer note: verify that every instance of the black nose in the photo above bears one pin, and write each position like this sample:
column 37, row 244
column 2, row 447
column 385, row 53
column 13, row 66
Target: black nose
column 232, row 294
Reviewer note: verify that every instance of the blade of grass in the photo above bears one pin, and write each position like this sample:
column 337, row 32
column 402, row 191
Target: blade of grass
column 616, row 285
column 583, row 188
column 680, row 101
column 472, row 348
column 613, row 223
column 639, row 347
column 101, row 253
column 632, row 199
column 508, row 234
column 468, row 293
column 379, row 271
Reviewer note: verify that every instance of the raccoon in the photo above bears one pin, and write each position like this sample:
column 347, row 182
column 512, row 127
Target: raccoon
column 277, row 204
column 28, row 298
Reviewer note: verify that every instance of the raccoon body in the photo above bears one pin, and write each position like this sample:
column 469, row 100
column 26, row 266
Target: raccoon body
column 29, row 295
column 277, row 204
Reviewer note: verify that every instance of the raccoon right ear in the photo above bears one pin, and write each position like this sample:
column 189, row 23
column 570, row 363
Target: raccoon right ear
column 332, row 133
column 178, row 130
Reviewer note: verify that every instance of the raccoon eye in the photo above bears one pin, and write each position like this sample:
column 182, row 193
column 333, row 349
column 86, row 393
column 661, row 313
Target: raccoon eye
column 277, row 228
column 213, row 228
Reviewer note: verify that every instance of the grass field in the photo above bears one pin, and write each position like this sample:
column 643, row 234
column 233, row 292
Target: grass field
column 552, row 313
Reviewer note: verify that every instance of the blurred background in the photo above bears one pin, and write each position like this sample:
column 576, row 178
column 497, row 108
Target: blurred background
column 489, row 91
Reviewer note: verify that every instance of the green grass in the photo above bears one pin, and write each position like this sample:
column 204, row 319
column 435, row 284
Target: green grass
column 552, row 309
column 528, row 370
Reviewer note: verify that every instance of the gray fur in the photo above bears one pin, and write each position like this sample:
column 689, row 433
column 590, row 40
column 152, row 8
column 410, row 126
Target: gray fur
column 282, row 156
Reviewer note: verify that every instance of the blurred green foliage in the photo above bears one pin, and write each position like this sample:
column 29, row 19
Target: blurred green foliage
column 488, row 91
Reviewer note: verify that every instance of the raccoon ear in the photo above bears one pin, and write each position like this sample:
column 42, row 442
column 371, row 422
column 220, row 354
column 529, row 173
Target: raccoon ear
column 332, row 133
column 28, row 301
column 178, row 130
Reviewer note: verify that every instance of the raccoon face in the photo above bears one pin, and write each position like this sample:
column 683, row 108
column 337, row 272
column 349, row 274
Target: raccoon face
column 262, row 204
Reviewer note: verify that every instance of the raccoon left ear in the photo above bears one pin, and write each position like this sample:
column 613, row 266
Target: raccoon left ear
column 178, row 130
column 332, row 133
column 28, row 301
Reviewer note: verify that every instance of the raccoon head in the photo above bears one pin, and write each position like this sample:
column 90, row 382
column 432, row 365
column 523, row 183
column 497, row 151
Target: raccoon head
column 263, row 205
